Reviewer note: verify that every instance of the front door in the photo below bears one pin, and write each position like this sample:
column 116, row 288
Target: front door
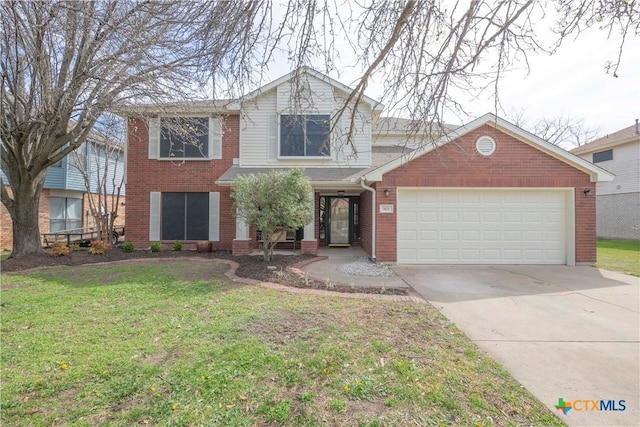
column 339, row 221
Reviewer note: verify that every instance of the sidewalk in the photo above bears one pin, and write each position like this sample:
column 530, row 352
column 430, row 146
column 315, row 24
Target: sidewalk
column 329, row 269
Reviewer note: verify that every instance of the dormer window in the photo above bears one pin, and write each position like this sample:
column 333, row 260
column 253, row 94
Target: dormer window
column 304, row 135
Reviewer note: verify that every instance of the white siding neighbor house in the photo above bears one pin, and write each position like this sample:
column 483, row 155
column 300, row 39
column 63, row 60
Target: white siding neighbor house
column 617, row 201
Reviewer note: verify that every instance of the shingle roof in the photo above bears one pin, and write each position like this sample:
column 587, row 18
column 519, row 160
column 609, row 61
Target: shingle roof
column 622, row 136
column 315, row 175
column 598, row 174
column 402, row 126
column 203, row 106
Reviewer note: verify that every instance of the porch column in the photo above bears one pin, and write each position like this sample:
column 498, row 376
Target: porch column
column 242, row 244
column 309, row 244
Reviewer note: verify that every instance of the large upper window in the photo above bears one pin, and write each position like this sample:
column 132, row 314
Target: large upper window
column 185, row 216
column 304, row 135
column 64, row 214
column 184, row 137
column 603, row 156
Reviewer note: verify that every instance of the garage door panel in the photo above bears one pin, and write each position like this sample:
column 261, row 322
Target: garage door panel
column 490, row 236
column 407, row 216
column 449, row 216
column 481, row 226
column 449, row 235
column 512, row 236
column 512, row 217
column 470, row 254
column 471, row 217
column 471, row 235
column 428, row 234
column 427, row 217
column 491, row 217
column 533, row 235
column 533, row 217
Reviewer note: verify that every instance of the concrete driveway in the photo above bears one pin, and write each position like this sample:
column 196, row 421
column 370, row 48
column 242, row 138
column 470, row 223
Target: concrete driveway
column 562, row 332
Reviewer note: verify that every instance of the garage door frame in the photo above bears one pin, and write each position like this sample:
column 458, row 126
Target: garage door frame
column 569, row 194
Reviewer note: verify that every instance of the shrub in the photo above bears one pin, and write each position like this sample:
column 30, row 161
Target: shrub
column 59, row 249
column 177, row 245
column 155, row 247
column 74, row 247
column 128, row 247
column 98, row 247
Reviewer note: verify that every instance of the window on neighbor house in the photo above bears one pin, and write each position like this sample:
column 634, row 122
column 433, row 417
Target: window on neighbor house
column 65, row 214
column 184, row 137
column 304, row 135
column 185, row 216
column 603, row 156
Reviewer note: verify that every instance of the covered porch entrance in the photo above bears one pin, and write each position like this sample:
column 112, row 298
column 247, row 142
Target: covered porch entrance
column 339, row 218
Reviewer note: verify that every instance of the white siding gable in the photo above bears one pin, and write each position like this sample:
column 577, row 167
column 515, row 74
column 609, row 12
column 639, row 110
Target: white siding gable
column 625, row 165
column 260, row 121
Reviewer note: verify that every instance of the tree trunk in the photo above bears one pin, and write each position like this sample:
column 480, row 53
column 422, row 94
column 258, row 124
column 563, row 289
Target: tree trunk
column 24, row 214
column 267, row 251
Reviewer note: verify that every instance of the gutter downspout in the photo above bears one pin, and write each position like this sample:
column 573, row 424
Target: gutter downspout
column 373, row 217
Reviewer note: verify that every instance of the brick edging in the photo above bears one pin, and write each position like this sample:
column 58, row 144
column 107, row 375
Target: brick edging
column 231, row 275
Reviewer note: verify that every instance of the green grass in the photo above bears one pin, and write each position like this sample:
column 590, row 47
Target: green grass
column 619, row 255
column 178, row 345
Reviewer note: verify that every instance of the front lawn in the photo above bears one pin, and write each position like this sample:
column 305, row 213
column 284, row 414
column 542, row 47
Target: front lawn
column 179, row 344
column 619, row 255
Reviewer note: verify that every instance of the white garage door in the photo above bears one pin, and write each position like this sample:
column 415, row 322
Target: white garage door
column 481, row 226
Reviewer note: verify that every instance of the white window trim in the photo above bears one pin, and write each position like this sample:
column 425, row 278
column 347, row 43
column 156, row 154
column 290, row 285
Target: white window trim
column 281, row 157
column 209, row 157
column 155, row 216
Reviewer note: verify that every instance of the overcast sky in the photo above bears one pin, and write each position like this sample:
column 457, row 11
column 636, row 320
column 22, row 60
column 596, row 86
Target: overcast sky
column 573, row 82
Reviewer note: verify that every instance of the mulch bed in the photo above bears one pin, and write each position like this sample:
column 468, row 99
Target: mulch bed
column 252, row 267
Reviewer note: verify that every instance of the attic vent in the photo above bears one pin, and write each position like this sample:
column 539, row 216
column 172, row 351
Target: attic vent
column 486, row 145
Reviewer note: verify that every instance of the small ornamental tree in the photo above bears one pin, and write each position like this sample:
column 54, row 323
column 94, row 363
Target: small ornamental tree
column 277, row 202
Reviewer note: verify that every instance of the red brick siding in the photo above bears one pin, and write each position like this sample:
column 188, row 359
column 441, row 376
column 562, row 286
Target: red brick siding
column 309, row 247
column 514, row 164
column 146, row 175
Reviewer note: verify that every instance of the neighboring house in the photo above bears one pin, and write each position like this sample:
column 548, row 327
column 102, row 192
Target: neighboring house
column 617, row 201
column 485, row 193
column 64, row 203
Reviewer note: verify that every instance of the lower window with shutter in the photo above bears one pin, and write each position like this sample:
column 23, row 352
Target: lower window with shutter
column 185, row 216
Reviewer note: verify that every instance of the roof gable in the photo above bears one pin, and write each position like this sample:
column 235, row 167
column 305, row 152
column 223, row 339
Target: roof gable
column 597, row 174
column 375, row 105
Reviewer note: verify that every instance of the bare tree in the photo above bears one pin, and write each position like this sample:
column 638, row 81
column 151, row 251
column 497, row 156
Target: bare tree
column 101, row 165
column 564, row 131
column 75, row 60
column 64, row 64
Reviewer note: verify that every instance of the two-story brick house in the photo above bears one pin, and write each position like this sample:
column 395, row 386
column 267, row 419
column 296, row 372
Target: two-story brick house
column 486, row 192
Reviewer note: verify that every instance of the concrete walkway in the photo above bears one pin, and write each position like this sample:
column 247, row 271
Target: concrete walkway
column 562, row 332
column 329, row 269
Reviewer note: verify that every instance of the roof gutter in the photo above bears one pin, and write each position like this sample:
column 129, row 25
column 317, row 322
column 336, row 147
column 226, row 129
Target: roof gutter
column 373, row 217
